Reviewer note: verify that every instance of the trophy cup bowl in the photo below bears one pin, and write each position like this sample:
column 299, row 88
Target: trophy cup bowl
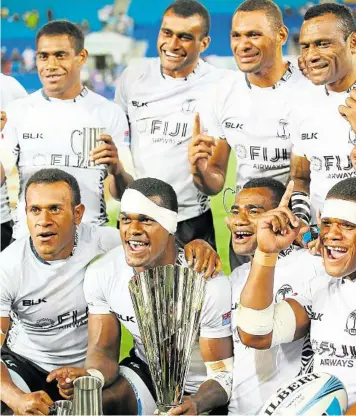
column 168, row 302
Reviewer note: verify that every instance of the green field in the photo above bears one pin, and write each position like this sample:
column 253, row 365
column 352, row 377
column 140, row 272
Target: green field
column 222, row 238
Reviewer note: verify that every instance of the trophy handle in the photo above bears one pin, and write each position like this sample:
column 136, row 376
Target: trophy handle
column 80, row 153
column 233, row 191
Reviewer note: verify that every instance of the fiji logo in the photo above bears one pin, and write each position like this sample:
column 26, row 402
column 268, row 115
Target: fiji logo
column 352, row 137
column 351, row 323
column 189, row 105
column 283, row 292
column 282, row 131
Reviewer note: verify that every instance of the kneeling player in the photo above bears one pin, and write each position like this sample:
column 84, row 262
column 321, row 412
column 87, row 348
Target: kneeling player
column 327, row 307
column 148, row 221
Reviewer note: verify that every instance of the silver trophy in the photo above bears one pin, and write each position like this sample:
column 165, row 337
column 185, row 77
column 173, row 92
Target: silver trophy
column 62, row 408
column 83, row 142
column 168, row 302
column 87, row 396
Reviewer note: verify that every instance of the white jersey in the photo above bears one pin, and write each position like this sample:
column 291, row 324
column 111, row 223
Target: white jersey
column 45, row 132
column 325, row 138
column 255, row 122
column 47, row 298
column 10, row 89
column 161, row 113
column 259, row 373
column 106, row 291
column 330, row 303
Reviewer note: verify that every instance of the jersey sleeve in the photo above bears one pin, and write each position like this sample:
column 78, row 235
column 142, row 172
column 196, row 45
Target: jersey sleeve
column 9, row 144
column 121, row 96
column 17, row 90
column 93, row 291
column 7, row 291
column 210, row 115
column 216, row 311
column 107, row 238
column 295, row 133
column 119, row 129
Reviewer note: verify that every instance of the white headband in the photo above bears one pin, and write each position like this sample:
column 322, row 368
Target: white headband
column 341, row 209
column 134, row 202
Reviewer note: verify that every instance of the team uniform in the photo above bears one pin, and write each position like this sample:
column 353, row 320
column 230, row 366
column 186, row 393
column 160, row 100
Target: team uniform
column 106, row 291
column 45, row 132
column 330, row 303
column 10, row 90
column 259, row 373
column 46, row 300
column 255, row 122
column 161, row 115
column 325, row 138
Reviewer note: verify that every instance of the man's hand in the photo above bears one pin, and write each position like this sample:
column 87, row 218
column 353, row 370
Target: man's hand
column 302, row 66
column 200, row 148
column 106, row 154
column 278, row 228
column 3, row 120
column 188, row 407
column 36, row 403
column 348, row 111
column 65, row 377
column 203, row 258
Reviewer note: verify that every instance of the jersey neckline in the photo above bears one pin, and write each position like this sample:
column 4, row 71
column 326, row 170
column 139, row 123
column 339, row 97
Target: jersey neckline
column 83, row 93
column 287, row 75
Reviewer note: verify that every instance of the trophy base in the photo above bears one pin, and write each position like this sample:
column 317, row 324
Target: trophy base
column 164, row 410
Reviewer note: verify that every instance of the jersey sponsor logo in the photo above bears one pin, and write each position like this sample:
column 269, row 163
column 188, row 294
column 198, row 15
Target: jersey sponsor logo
column 139, row 104
column 241, row 151
column 226, row 318
column 231, row 125
column 314, row 316
column 31, row 302
column 45, row 323
column 330, row 161
column 283, row 292
column 351, row 323
column 282, row 131
column 188, row 106
column 32, row 136
column 266, row 154
column 125, row 318
column 335, row 356
column 352, row 136
column 168, row 132
column 309, row 136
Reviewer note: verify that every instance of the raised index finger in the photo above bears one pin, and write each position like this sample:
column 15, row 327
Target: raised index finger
column 287, row 195
column 196, row 125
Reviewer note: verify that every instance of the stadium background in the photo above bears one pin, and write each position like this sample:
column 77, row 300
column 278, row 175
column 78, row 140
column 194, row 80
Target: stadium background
column 117, row 33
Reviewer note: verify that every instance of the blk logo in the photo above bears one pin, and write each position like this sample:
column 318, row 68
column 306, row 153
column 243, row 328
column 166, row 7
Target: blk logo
column 316, row 316
column 31, row 302
column 309, row 136
column 138, row 104
column 236, row 126
column 126, row 318
column 351, row 323
column 32, row 136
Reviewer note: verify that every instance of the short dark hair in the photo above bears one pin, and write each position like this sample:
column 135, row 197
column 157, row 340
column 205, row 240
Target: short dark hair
column 155, row 187
column 343, row 13
column 63, row 27
column 345, row 189
column 49, row 176
column 188, row 8
column 271, row 9
column 277, row 188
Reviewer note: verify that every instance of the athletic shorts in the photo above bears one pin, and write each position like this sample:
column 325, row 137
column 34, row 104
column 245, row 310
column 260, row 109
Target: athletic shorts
column 27, row 376
column 138, row 375
column 201, row 227
column 6, row 234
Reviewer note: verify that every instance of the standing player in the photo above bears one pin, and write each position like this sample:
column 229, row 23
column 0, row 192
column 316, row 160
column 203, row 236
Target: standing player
column 327, row 307
column 10, row 90
column 160, row 97
column 323, row 139
column 258, row 374
column 148, row 221
column 45, row 129
column 249, row 111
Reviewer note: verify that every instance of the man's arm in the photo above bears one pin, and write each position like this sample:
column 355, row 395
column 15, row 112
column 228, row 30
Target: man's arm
column 208, row 159
column 124, row 175
column 261, row 324
column 17, row 400
column 300, row 173
column 2, row 174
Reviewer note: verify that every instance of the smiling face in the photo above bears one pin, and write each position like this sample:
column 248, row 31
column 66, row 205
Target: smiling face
column 325, row 51
column 250, row 203
column 59, row 65
column 145, row 240
column 180, row 43
column 255, row 43
column 338, row 246
column 52, row 220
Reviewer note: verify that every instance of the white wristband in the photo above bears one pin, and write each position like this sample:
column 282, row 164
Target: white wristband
column 255, row 322
column 98, row 374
